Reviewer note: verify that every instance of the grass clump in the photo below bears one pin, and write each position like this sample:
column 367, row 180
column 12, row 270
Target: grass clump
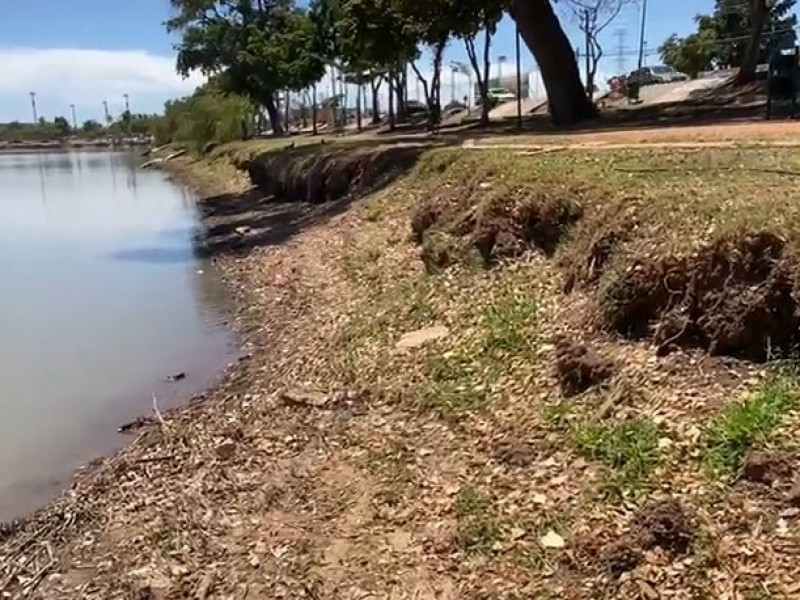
column 629, row 449
column 470, row 502
column 506, row 324
column 478, row 530
column 750, row 423
column 452, row 389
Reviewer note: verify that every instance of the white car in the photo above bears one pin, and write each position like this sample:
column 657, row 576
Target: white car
column 501, row 95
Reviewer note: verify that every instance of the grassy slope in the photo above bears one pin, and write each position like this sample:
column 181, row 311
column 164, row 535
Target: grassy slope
column 459, row 464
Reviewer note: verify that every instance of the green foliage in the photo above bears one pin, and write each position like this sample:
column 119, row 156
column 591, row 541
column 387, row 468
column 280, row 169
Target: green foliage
column 721, row 38
column 91, row 127
column 62, row 126
column 206, row 116
column 749, row 423
column 629, row 449
column 691, row 54
column 259, row 47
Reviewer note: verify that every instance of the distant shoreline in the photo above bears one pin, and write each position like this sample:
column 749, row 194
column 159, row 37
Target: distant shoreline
column 30, row 148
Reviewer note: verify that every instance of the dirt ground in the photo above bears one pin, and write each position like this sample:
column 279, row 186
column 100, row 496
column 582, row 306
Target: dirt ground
column 460, row 427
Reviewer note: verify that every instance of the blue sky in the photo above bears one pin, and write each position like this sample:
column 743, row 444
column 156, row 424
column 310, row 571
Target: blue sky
column 85, row 51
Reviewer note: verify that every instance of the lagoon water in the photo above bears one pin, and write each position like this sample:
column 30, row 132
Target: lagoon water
column 101, row 299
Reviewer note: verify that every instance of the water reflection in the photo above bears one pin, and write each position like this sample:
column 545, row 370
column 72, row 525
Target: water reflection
column 102, row 297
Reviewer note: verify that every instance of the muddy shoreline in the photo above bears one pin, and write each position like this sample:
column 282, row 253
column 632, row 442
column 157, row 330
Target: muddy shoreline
column 141, row 427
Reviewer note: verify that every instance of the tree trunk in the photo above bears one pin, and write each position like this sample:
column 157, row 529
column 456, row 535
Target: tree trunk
column 400, row 94
column 358, row 106
column 392, row 124
column 314, row 109
column 758, row 18
column 544, row 36
column 274, row 115
column 376, row 101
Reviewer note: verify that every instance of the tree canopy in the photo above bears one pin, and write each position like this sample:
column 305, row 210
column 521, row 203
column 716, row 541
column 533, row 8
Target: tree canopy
column 257, row 47
column 722, row 38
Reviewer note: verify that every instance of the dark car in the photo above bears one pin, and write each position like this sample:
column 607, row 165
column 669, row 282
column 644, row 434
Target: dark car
column 655, row 75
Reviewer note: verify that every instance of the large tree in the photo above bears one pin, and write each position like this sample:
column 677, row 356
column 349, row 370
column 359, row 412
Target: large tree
column 260, row 47
column 540, row 28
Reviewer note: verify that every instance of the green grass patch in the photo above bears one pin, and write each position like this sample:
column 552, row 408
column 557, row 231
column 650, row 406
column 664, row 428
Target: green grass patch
column 478, row 536
column 750, row 423
column 470, row 502
column 629, row 449
column 452, row 388
column 507, row 324
column 478, row 529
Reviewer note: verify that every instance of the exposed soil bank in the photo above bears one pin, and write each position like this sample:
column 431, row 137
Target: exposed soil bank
column 337, row 462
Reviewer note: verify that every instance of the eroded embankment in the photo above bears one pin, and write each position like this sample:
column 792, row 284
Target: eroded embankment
column 681, row 260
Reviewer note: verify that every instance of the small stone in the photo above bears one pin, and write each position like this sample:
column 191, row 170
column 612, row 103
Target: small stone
column 420, row 337
column 551, row 540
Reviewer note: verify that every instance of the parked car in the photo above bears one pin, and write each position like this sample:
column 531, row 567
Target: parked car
column 501, row 94
column 655, row 75
column 415, row 107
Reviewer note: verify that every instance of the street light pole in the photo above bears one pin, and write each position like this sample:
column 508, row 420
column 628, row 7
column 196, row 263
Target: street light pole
column 128, row 112
column 105, row 111
column 641, row 34
column 519, row 81
column 500, row 61
column 33, row 107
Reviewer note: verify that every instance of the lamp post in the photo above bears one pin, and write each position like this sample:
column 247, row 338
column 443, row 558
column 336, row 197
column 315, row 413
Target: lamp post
column 128, row 112
column 33, row 107
column 519, row 80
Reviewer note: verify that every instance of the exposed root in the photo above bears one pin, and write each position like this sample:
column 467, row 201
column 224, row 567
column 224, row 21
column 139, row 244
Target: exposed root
column 737, row 296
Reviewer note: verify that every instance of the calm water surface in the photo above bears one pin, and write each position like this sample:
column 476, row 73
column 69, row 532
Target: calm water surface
column 101, row 298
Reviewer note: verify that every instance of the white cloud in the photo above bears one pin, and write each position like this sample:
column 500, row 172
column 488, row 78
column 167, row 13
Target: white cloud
column 61, row 76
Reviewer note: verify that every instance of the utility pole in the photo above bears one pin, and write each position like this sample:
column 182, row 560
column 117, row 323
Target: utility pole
column 587, row 48
column 519, row 79
column 105, row 111
column 641, row 34
column 74, row 118
column 452, row 85
column 33, row 107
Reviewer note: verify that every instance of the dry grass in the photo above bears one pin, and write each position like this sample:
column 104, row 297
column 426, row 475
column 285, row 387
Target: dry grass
column 440, row 471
